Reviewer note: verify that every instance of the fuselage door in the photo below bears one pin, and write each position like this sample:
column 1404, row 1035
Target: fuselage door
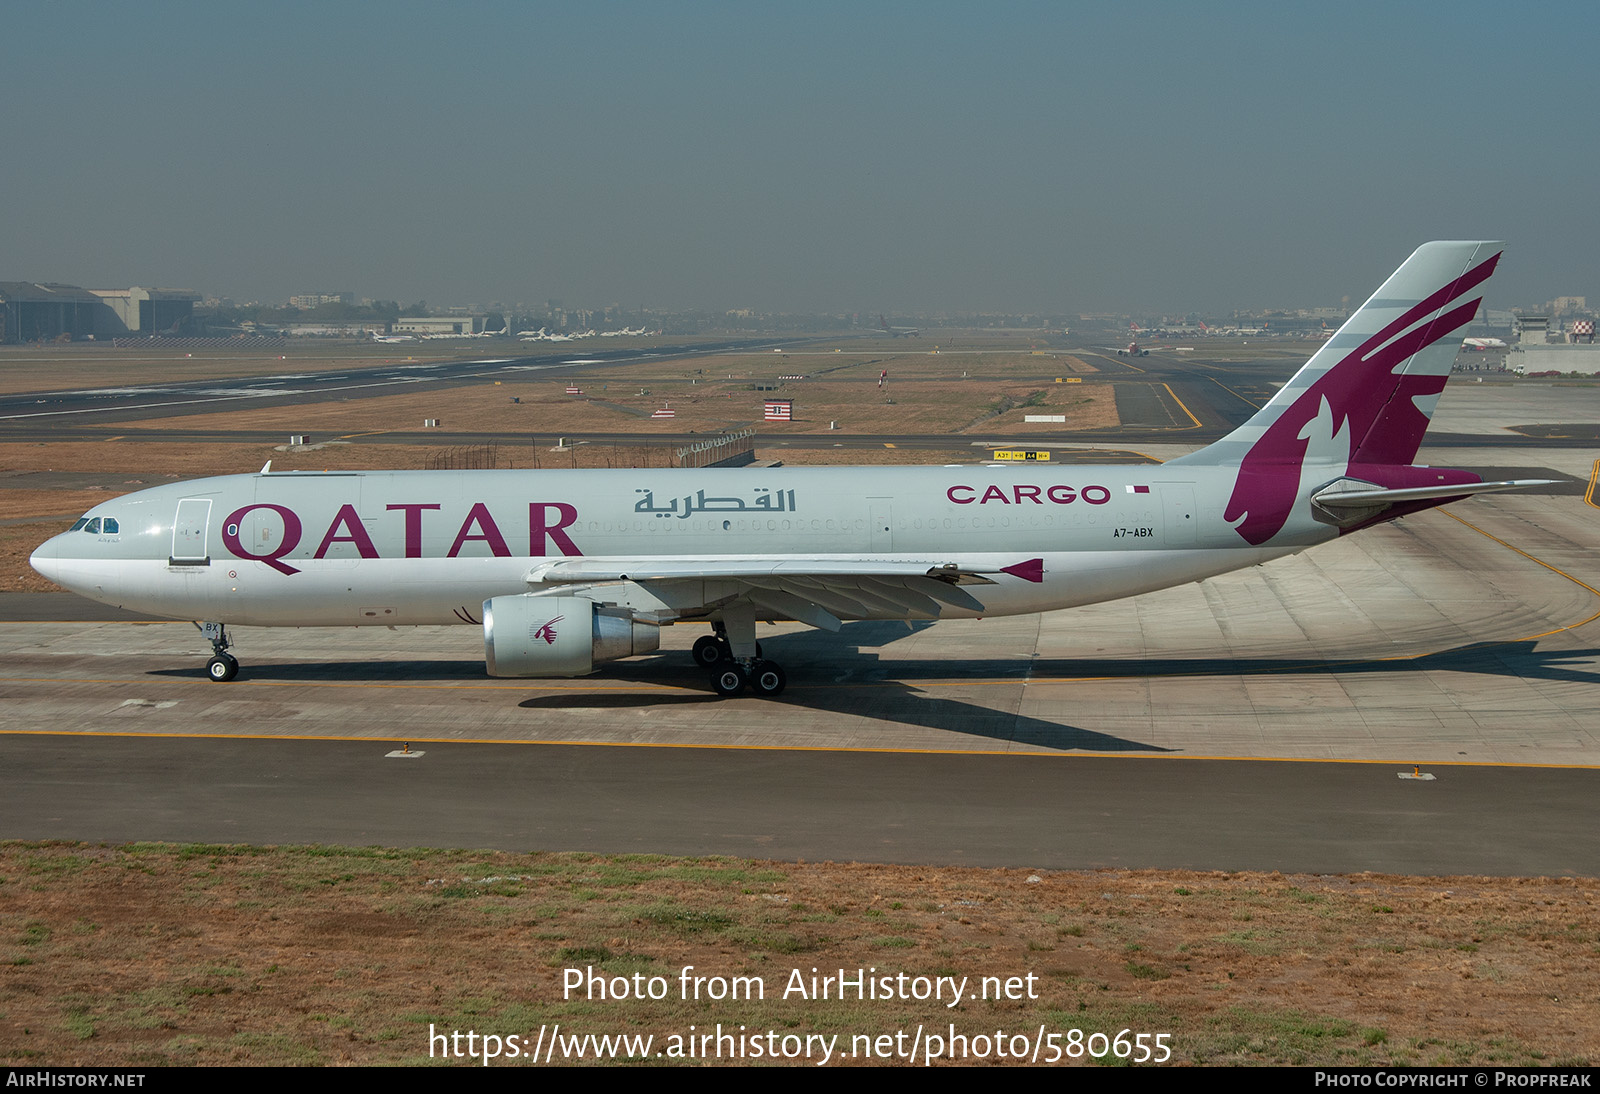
column 189, row 531
column 1177, row 505
column 880, row 524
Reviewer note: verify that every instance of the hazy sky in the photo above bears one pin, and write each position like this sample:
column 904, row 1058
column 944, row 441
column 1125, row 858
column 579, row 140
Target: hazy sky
column 798, row 157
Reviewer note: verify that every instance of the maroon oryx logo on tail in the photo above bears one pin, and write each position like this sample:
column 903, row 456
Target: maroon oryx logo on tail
column 548, row 631
column 1367, row 395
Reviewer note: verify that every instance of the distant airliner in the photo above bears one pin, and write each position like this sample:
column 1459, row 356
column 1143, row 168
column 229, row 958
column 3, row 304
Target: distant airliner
column 897, row 332
column 565, row 570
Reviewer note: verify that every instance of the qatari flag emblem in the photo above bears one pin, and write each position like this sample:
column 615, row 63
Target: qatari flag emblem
column 1138, row 489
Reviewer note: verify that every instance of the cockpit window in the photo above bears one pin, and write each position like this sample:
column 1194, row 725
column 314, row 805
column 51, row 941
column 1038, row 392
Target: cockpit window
column 82, row 523
column 94, row 526
column 109, row 526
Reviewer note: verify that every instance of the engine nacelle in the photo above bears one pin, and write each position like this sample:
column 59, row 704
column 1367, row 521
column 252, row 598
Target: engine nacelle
column 559, row 635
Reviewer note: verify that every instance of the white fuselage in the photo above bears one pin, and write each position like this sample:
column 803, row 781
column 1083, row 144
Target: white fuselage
column 396, row 548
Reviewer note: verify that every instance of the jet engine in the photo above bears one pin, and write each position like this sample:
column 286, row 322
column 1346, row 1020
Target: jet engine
column 559, row 635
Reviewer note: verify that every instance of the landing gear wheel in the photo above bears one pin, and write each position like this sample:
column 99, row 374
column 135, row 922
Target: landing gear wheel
column 709, row 651
column 222, row 668
column 768, row 679
column 729, row 681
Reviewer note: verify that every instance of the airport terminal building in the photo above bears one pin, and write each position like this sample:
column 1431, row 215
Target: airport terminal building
column 45, row 312
column 1541, row 348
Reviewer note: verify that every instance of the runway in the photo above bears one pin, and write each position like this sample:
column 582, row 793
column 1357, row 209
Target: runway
column 21, row 415
column 950, row 810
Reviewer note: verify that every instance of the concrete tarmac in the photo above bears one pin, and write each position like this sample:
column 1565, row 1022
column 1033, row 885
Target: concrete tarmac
column 1434, row 639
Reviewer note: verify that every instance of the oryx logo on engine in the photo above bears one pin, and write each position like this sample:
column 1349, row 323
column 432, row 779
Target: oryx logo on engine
column 548, row 631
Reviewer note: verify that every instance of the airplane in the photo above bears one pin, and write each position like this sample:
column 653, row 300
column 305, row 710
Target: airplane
column 566, row 570
column 897, row 332
column 392, row 338
column 1132, row 348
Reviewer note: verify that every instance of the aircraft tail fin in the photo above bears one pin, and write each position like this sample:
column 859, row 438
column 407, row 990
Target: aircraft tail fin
column 1364, row 400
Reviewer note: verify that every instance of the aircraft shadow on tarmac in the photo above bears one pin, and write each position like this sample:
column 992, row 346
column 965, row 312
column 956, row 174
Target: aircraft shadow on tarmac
column 891, row 702
column 1519, row 659
column 888, row 691
column 829, row 676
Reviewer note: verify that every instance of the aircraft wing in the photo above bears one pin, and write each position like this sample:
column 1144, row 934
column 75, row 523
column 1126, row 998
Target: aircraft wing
column 818, row 592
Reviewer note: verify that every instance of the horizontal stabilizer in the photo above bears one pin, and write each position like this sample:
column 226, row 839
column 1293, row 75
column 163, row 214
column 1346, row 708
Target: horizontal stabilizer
column 1347, row 495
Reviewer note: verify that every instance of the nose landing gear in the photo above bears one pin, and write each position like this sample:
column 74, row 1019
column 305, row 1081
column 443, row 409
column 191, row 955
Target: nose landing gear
column 222, row 667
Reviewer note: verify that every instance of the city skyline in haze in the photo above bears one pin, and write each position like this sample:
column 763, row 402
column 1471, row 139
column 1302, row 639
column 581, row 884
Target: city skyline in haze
column 1043, row 158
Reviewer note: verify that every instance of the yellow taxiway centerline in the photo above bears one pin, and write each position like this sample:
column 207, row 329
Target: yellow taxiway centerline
column 1075, row 754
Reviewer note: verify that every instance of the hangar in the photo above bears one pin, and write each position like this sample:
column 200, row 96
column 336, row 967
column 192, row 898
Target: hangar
column 47, row 312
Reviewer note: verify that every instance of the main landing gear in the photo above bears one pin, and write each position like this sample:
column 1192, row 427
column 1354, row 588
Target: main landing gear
column 711, row 651
column 766, row 677
column 222, row 667
column 731, row 674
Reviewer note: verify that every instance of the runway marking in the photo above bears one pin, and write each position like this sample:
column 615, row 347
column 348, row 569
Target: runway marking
column 374, row 433
column 1018, row 753
column 621, row 687
column 1112, row 360
column 1588, row 496
column 1235, row 394
column 1185, row 409
column 1541, row 562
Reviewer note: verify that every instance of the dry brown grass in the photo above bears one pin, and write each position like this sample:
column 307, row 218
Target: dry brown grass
column 479, row 408
column 17, row 542
column 28, row 504
column 926, row 406
column 160, row 954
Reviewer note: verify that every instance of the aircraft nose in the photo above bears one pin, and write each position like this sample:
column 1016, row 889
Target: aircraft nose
column 46, row 558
